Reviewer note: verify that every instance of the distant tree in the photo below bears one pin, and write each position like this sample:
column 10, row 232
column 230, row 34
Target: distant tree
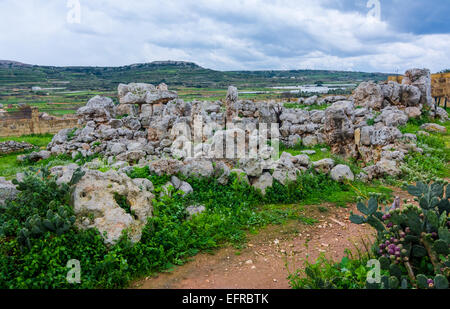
column 445, row 71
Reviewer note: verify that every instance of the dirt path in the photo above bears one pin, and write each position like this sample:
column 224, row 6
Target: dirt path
column 262, row 264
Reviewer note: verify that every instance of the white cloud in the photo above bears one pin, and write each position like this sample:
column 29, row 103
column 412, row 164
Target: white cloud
column 225, row 35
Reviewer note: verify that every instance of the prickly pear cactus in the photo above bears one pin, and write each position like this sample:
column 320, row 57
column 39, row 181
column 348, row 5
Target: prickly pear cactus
column 413, row 241
column 41, row 207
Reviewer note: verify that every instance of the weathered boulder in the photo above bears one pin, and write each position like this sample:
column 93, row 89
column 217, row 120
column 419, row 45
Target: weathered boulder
column 182, row 186
column 393, row 117
column 433, row 127
column 331, row 99
column 385, row 136
column 165, row 167
column 263, row 182
column 382, row 168
column 392, row 92
column 342, row 172
column 144, row 184
column 231, row 100
column 98, row 109
column 118, row 148
column 410, row 95
column 324, row 165
column 311, row 100
column 252, row 167
column 413, row 112
column 441, row 114
column 310, row 141
column 295, row 116
column 131, row 156
column 284, row 175
column 421, row 78
column 339, row 129
column 284, row 170
column 38, row 156
column 303, row 160
column 134, row 92
column 222, row 172
column 370, row 95
column 95, row 205
column 61, row 137
column 317, row 116
column 240, row 174
column 64, row 173
column 140, row 93
column 197, row 168
column 195, row 210
column 8, row 190
column 186, row 188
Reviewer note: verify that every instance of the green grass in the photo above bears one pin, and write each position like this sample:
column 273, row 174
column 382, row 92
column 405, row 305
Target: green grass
column 434, row 162
column 9, row 166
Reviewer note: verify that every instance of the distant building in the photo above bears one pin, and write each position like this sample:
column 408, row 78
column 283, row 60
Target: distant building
column 36, row 88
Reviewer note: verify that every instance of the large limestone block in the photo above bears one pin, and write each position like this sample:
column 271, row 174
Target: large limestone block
column 95, row 205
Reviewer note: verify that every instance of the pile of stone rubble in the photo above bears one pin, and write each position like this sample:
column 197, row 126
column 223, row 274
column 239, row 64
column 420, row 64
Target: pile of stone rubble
column 13, row 146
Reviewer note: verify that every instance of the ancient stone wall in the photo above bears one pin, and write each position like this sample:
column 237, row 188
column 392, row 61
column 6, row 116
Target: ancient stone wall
column 24, row 123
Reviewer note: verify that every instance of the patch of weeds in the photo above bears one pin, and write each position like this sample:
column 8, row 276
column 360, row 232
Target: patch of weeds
column 81, row 160
column 323, row 209
column 122, row 201
column 326, row 274
column 71, row 134
column 370, row 122
column 434, row 161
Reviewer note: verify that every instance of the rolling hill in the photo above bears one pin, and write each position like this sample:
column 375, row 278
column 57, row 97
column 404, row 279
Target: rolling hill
column 175, row 73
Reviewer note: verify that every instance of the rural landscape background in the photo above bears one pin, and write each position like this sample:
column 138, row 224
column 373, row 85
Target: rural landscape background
column 62, row 90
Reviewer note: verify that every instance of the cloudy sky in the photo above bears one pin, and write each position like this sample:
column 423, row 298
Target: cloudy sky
column 230, row 34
